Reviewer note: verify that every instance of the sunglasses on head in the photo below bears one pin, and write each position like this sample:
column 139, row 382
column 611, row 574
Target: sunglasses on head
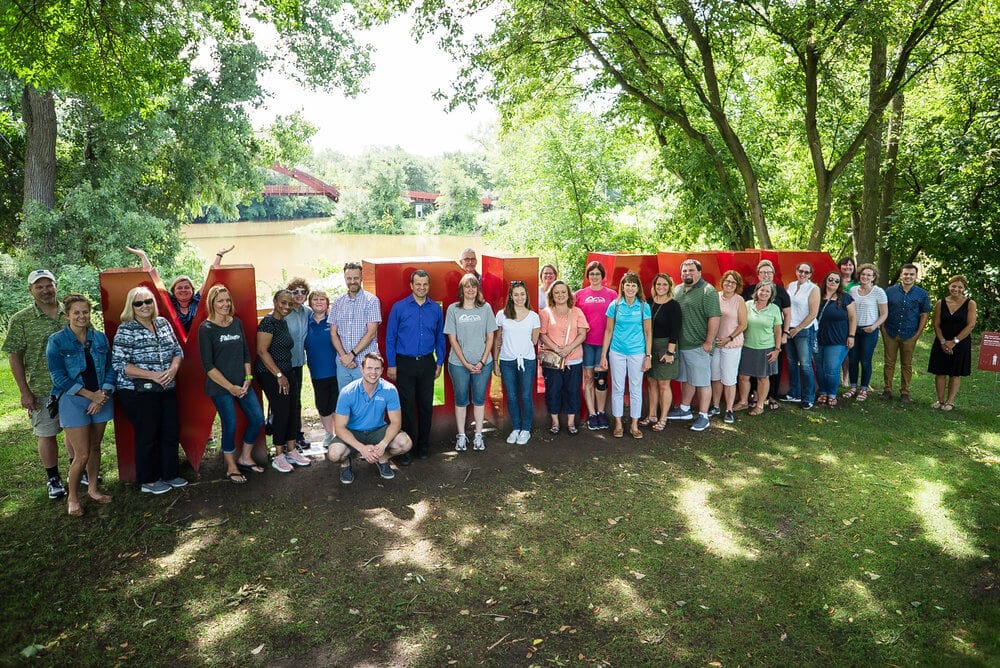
column 517, row 284
column 142, row 302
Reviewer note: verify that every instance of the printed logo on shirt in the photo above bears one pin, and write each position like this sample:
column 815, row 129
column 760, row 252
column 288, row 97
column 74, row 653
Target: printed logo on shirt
column 223, row 338
column 470, row 317
column 592, row 299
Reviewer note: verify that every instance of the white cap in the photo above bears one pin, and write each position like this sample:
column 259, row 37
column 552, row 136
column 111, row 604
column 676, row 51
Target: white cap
column 40, row 273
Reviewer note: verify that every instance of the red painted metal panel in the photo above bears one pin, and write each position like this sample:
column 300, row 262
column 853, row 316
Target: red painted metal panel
column 197, row 410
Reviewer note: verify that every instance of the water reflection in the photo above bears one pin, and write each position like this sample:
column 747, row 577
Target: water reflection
column 279, row 250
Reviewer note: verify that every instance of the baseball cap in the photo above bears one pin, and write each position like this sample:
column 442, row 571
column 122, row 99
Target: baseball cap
column 40, row 273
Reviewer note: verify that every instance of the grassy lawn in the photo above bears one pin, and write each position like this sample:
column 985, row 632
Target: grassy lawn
column 867, row 534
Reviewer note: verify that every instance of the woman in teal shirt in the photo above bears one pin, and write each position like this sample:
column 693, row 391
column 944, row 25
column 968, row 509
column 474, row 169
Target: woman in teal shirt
column 628, row 340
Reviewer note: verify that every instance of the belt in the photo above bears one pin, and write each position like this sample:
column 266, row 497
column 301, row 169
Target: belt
column 414, row 357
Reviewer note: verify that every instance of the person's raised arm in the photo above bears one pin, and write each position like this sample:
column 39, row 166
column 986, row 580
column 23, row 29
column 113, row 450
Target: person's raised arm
column 141, row 254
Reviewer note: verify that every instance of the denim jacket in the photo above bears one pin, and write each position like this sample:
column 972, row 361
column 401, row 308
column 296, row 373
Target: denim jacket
column 67, row 361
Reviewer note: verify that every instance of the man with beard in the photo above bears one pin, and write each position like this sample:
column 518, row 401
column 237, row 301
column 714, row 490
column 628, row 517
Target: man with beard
column 354, row 319
column 27, row 338
column 700, row 316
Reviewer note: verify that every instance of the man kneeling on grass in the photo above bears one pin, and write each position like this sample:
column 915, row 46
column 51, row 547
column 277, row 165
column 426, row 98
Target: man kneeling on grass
column 360, row 422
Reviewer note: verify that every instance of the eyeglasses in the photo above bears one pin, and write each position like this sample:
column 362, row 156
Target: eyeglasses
column 804, row 271
column 299, row 291
column 517, row 284
column 833, row 279
column 142, row 302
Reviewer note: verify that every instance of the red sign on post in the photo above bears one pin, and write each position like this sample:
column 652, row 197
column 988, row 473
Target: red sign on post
column 989, row 352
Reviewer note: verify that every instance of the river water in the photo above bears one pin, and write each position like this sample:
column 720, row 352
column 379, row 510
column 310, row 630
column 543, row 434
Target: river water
column 281, row 249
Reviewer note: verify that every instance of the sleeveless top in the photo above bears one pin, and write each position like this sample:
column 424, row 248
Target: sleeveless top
column 799, row 296
column 730, row 319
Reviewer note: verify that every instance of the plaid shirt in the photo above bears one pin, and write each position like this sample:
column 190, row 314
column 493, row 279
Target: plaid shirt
column 351, row 318
column 27, row 336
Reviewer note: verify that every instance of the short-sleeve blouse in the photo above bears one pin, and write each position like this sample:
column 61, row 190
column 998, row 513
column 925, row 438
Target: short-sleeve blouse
column 281, row 343
column 555, row 327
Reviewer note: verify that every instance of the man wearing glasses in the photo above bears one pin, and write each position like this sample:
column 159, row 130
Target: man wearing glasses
column 354, row 319
column 800, row 337
column 909, row 306
column 27, row 337
column 414, row 350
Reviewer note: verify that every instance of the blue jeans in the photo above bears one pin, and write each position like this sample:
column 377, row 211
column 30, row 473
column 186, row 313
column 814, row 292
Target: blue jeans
column 345, row 375
column 517, row 386
column 461, row 380
column 861, row 355
column 828, row 363
column 801, row 381
column 225, row 405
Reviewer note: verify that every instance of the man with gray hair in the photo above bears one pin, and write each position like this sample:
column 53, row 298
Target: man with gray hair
column 27, row 337
column 700, row 315
column 467, row 261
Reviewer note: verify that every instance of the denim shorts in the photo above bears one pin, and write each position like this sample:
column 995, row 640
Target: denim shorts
column 73, row 412
column 591, row 355
column 461, row 380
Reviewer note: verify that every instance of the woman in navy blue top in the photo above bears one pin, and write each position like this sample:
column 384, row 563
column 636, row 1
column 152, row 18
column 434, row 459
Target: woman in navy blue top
column 321, row 357
column 837, row 322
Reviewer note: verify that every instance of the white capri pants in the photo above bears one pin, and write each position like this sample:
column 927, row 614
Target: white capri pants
column 726, row 365
column 620, row 366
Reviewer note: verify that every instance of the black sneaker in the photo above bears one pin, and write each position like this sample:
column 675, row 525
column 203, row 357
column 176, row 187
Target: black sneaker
column 404, row 459
column 807, row 405
column 56, row 489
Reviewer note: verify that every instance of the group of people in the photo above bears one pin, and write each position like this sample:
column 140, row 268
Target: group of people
column 723, row 345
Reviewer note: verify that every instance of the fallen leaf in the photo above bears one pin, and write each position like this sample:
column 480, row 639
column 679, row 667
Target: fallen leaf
column 147, row 622
column 258, row 649
column 31, row 650
column 872, row 576
column 537, row 641
column 637, row 575
column 463, row 612
column 784, row 637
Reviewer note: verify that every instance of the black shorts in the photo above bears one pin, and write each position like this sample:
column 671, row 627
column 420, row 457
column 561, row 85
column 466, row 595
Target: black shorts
column 326, row 391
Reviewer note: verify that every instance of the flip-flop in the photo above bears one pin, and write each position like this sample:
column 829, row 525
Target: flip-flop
column 103, row 498
column 645, row 422
column 233, row 478
column 741, row 407
column 773, row 405
column 249, row 468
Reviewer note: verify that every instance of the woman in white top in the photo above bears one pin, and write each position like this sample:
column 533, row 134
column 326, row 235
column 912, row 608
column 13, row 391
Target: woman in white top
column 547, row 275
column 514, row 345
column 800, row 338
column 872, row 308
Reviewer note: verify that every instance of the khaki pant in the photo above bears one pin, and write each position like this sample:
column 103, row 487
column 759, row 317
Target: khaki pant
column 905, row 348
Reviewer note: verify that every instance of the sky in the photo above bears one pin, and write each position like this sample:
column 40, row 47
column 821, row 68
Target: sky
column 398, row 107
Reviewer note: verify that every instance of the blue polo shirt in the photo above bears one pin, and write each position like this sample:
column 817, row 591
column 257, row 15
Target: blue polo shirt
column 628, row 337
column 905, row 309
column 414, row 330
column 321, row 356
column 365, row 413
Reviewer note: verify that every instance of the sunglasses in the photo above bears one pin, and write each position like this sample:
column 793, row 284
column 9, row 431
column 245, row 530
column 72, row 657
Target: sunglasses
column 142, row 302
column 804, row 271
column 299, row 291
column 517, row 284
column 833, row 279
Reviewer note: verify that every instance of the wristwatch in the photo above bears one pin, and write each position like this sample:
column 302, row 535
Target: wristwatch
column 956, row 340
column 279, row 375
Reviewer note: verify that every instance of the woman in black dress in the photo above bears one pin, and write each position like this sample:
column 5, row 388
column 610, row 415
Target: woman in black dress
column 666, row 315
column 951, row 354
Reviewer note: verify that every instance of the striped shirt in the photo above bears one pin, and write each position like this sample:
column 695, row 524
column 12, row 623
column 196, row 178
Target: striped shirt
column 866, row 307
column 351, row 318
column 151, row 351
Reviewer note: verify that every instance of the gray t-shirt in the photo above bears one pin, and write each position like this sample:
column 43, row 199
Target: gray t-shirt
column 470, row 326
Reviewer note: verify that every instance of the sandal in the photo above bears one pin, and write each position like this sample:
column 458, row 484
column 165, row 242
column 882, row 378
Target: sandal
column 773, row 405
column 660, row 426
column 572, row 430
column 821, row 399
column 740, row 407
column 554, row 430
column 948, row 406
column 831, row 402
column 862, row 395
column 646, row 421
column 236, row 478
column 937, row 404
column 756, row 410
column 249, row 468
column 849, row 394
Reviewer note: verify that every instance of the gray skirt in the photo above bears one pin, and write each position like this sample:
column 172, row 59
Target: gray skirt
column 754, row 363
column 661, row 370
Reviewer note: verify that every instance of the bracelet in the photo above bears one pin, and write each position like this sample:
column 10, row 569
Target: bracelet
column 248, row 377
column 850, row 336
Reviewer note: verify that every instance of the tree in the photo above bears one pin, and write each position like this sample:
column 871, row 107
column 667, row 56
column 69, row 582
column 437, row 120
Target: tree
column 458, row 206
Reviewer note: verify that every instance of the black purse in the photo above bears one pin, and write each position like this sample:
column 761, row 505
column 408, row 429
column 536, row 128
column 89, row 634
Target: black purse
column 53, row 406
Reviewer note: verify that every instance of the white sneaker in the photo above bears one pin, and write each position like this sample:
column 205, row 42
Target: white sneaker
column 514, row 435
column 524, row 437
column 279, row 464
column 460, row 442
column 477, row 443
column 297, row 458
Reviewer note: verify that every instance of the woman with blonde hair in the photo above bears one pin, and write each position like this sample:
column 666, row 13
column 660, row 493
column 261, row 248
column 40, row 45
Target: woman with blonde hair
column 146, row 357
column 666, row 322
column 871, row 306
column 563, row 331
column 627, row 349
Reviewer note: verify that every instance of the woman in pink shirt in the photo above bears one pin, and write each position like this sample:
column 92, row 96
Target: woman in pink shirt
column 593, row 301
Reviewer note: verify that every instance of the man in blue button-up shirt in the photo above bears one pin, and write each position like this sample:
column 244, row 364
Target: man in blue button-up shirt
column 414, row 337
column 909, row 306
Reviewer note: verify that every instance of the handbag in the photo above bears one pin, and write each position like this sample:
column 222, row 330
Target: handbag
column 549, row 359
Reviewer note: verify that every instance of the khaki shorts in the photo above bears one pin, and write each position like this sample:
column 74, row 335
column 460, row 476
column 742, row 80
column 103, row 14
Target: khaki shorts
column 42, row 425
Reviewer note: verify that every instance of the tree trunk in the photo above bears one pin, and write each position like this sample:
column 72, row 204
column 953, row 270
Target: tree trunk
column 889, row 185
column 872, row 175
column 824, row 201
column 39, row 113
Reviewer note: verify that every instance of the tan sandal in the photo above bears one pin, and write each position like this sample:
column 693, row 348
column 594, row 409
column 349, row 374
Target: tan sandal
column 660, row 426
column 756, row 410
column 849, row 394
column 936, row 405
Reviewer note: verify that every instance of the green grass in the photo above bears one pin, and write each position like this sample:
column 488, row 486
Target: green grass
column 863, row 535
